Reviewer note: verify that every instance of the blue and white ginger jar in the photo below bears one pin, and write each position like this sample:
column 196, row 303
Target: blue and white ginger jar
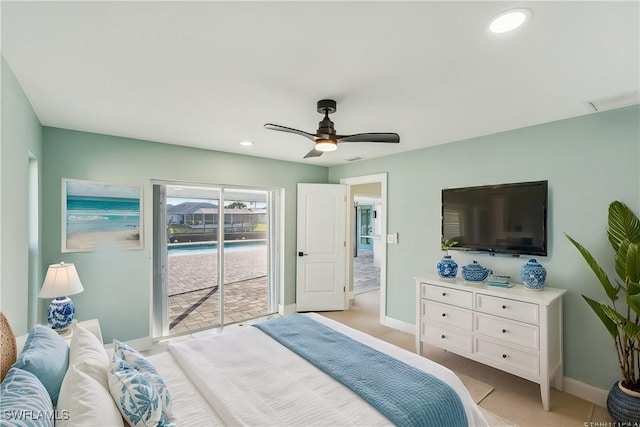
column 474, row 272
column 447, row 267
column 61, row 313
column 533, row 275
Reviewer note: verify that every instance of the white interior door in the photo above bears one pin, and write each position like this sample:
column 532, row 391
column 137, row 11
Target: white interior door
column 320, row 273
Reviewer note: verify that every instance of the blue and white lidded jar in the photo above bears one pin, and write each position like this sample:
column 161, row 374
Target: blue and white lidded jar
column 447, row 267
column 474, row 272
column 533, row 275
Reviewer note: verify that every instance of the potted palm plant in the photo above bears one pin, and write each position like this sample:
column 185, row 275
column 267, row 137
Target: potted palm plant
column 622, row 316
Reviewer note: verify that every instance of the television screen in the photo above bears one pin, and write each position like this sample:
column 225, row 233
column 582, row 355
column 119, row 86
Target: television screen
column 506, row 218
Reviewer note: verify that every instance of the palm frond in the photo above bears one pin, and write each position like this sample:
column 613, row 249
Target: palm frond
column 622, row 224
column 600, row 312
column 610, row 290
column 633, row 301
column 632, row 263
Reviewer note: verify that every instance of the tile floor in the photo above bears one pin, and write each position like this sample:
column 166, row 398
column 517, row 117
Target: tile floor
column 366, row 276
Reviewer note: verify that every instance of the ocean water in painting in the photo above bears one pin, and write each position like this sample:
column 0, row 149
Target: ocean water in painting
column 90, row 214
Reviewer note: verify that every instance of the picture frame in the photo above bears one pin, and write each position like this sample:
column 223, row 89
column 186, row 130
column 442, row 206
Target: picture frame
column 96, row 213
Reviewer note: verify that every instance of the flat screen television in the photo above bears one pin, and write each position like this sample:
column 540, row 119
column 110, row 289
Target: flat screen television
column 506, row 218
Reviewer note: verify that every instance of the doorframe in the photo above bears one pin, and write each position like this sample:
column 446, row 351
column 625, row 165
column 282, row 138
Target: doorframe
column 159, row 325
column 359, row 205
column 369, row 179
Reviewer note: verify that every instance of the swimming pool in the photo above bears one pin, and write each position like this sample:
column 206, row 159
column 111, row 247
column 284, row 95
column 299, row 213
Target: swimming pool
column 177, row 249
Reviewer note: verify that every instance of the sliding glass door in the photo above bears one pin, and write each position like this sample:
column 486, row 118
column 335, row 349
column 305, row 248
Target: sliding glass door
column 214, row 257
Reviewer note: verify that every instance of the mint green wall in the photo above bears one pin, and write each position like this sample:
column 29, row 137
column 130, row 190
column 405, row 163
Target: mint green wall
column 21, row 138
column 118, row 283
column 589, row 161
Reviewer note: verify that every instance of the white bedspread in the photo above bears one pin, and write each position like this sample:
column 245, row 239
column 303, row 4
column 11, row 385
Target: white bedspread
column 250, row 379
column 190, row 408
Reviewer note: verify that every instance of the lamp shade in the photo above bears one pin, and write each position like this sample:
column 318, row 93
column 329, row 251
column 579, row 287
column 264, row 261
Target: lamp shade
column 61, row 280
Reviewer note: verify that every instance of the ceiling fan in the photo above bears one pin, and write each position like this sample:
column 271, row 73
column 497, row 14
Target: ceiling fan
column 326, row 139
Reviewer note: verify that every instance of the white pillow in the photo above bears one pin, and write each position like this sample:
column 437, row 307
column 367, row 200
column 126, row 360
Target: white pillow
column 85, row 402
column 88, row 354
column 136, row 397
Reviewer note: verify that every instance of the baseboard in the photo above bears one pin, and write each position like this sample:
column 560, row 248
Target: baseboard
column 286, row 309
column 586, row 391
column 400, row 325
column 350, row 297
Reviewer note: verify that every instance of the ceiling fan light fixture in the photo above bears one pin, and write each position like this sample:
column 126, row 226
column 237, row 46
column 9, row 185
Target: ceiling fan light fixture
column 326, row 145
column 509, row 20
column 326, row 138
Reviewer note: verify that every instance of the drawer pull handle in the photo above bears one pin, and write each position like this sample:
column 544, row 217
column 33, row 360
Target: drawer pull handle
column 442, row 336
column 504, row 356
column 504, row 331
column 444, row 314
column 504, row 307
column 444, row 294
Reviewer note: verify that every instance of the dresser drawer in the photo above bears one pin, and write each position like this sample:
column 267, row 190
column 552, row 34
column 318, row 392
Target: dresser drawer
column 455, row 297
column 443, row 337
column 447, row 314
column 518, row 333
column 505, row 356
column 511, row 309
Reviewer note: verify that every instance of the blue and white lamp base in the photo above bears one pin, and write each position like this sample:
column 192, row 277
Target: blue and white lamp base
column 61, row 313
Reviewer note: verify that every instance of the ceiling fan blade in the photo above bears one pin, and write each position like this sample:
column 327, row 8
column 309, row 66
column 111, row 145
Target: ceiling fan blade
column 370, row 137
column 271, row 126
column 314, row 153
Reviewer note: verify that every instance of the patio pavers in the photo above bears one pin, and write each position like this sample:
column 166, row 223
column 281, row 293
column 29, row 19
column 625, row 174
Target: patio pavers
column 196, row 304
column 197, row 271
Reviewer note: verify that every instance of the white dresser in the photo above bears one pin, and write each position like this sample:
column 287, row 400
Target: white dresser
column 512, row 329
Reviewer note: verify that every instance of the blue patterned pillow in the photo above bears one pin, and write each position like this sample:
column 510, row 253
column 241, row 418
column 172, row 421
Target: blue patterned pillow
column 135, row 396
column 45, row 355
column 25, row 401
column 142, row 365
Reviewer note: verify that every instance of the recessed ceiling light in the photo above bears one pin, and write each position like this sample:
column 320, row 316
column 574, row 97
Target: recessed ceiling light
column 246, row 143
column 509, row 20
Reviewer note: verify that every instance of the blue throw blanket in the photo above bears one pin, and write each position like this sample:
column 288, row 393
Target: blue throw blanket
column 405, row 395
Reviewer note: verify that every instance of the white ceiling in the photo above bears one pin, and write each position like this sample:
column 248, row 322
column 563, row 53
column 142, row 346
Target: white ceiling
column 210, row 74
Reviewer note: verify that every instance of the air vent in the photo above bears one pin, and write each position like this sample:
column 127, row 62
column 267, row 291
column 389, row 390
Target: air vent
column 614, row 101
column 353, row 159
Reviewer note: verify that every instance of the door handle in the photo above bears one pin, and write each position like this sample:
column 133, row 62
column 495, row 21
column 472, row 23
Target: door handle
column 302, row 254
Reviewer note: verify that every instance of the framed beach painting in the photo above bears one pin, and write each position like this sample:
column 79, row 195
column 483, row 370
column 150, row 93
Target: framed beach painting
column 94, row 213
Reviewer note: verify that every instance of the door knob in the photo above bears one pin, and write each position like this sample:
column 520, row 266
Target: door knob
column 302, row 254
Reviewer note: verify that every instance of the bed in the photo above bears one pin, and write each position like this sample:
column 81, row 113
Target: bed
column 256, row 376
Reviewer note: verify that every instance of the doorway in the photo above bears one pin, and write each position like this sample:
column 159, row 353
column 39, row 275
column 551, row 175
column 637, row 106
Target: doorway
column 364, row 225
column 215, row 256
column 370, row 190
column 366, row 260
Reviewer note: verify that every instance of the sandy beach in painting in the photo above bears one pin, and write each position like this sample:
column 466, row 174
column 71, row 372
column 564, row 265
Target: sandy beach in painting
column 89, row 239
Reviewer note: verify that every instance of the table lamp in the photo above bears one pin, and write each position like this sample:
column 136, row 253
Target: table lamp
column 61, row 280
